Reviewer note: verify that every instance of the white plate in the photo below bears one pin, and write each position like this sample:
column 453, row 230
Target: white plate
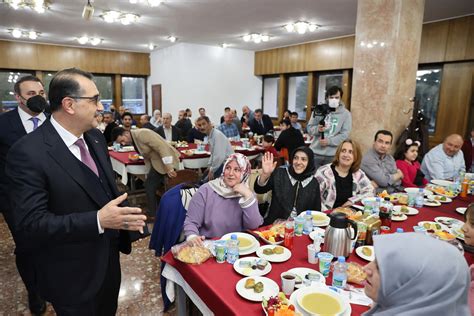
column 461, row 210
column 247, row 250
column 449, row 221
column 274, row 257
column 437, row 197
column 317, row 232
column 294, row 300
column 369, row 199
column 411, row 210
column 302, row 272
column 401, row 218
column 368, row 258
column 425, row 191
column 457, row 231
column 432, row 223
column 431, row 203
column 318, row 223
column 270, row 288
column 250, row 271
column 442, row 183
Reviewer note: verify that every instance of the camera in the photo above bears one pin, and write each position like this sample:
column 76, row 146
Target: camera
column 322, row 109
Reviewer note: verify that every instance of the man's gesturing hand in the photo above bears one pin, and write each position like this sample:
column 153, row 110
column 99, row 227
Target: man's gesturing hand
column 116, row 217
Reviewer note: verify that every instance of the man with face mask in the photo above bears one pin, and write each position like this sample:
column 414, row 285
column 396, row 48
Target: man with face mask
column 29, row 92
column 337, row 127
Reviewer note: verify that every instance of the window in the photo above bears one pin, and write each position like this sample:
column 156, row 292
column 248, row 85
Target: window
column 47, row 77
column 297, row 93
column 326, row 81
column 7, row 94
column 428, row 84
column 133, row 94
column 106, row 90
column 270, row 96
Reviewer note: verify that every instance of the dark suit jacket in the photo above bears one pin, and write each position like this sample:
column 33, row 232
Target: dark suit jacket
column 108, row 132
column 55, row 199
column 175, row 133
column 256, row 128
column 11, row 130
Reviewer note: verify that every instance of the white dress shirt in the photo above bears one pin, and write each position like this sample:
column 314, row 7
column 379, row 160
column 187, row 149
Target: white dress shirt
column 27, row 123
column 69, row 139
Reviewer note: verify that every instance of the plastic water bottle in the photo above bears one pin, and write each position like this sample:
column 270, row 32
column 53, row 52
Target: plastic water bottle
column 308, row 223
column 339, row 276
column 399, row 230
column 293, row 213
column 420, row 198
column 232, row 249
column 376, row 208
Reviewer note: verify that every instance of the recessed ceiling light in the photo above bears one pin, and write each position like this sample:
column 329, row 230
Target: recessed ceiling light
column 154, row 3
column 83, row 40
column 16, row 33
column 95, row 41
column 172, row 39
column 32, row 35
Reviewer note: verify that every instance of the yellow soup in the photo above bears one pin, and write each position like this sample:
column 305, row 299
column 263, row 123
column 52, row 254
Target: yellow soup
column 320, row 303
column 319, row 217
column 244, row 242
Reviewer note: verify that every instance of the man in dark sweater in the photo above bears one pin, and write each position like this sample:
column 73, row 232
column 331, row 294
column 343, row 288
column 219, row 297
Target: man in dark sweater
column 290, row 138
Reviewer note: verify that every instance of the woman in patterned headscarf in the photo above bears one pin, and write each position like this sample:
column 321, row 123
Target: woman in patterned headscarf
column 225, row 204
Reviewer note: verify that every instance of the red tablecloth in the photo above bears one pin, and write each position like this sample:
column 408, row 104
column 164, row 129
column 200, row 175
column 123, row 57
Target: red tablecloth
column 215, row 283
column 123, row 157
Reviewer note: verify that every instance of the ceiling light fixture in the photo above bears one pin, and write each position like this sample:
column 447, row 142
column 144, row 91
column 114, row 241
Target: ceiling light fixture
column 172, row 39
column 151, row 46
column 256, row 38
column 88, row 11
column 224, row 45
column 117, row 16
column 40, row 6
column 94, row 41
column 154, row 3
column 301, row 27
column 18, row 33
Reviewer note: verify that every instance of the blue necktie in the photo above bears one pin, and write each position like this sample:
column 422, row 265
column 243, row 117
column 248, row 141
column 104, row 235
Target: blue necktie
column 35, row 121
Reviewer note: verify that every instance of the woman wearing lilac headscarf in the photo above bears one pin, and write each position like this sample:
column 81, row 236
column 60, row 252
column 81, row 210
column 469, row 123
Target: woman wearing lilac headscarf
column 414, row 274
column 225, row 204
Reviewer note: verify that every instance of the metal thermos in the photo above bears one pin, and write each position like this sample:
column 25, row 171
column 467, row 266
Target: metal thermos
column 337, row 238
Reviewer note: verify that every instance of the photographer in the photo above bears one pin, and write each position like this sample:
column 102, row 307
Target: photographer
column 330, row 124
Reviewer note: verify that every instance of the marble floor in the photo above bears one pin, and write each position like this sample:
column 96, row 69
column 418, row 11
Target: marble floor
column 140, row 292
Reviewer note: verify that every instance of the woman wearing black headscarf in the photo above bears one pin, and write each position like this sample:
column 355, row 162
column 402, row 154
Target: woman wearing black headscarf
column 292, row 186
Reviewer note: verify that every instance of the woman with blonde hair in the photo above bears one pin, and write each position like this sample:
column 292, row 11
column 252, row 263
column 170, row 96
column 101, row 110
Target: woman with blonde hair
column 342, row 182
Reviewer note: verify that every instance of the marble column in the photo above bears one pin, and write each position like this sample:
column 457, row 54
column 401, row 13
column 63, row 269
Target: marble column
column 387, row 46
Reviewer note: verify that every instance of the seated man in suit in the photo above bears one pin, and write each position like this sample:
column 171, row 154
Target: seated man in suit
column 261, row 123
column 169, row 132
column 65, row 202
column 145, row 122
column 159, row 154
column 109, row 120
column 184, row 124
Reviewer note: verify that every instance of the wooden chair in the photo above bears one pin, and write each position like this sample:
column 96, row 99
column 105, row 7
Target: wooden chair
column 185, row 175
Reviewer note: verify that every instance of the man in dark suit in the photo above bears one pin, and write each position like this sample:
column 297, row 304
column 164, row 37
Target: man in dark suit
column 184, row 124
column 109, row 120
column 29, row 114
column 65, row 202
column 169, row 132
column 261, row 123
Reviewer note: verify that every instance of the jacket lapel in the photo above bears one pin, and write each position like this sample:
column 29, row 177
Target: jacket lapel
column 69, row 163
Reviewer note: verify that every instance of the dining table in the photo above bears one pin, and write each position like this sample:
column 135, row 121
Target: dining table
column 211, row 286
column 189, row 158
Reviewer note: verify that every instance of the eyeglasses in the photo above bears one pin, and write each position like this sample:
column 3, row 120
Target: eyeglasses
column 95, row 99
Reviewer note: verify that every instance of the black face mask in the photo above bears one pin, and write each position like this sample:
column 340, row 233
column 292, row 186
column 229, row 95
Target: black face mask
column 112, row 110
column 36, row 104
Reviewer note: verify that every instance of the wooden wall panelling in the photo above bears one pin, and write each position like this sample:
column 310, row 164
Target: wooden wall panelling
column 454, row 100
column 117, row 91
column 282, row 95
column 347, row 52
column 458, row 38
column 16, row 55
column 433, row 42
column 310, row 95
column 346, row 88
column 325, row 55
column 470, row 41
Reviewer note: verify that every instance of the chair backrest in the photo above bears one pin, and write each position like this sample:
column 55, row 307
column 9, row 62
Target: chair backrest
column 185, row 175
